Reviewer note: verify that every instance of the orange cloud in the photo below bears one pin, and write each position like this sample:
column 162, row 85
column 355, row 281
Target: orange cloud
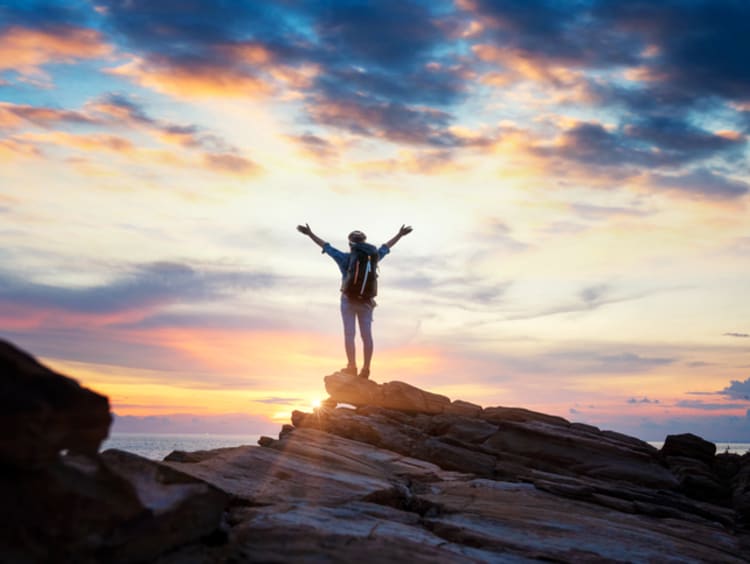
column 26, row 50
column 199, row 81
column 14, row 317
column 231, row 164
column 8, row 119
column 98, row 142
column 13, row 149
column 521, row 65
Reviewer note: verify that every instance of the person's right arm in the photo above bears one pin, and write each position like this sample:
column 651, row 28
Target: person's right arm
column 305, row 230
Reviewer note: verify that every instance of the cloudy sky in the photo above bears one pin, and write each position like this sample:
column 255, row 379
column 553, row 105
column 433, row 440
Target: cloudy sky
column 576, row 174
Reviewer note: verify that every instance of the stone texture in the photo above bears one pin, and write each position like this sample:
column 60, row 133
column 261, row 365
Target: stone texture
column 406, row 475
column 62, row 501
column 401, row 396
column 688, row 445
column 43, row 413
column 331, row 491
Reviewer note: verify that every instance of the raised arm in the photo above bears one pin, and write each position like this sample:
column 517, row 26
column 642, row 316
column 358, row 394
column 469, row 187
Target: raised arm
column 405, row 230
column 305, row 230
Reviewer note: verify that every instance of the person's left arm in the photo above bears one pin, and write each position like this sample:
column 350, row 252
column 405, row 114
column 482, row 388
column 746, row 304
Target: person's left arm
column 405, row 230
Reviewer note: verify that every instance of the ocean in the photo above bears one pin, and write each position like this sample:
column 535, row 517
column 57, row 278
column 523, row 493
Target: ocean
column 158, row 445
column 734, row 448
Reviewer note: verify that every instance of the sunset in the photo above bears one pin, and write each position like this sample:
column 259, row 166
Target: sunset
column 576, row 175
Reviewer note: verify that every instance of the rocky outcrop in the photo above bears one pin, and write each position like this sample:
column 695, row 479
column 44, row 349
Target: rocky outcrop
column 387, row 473
column 393, row 395
column 63, row 502
column 433, row 483
column 43, row 413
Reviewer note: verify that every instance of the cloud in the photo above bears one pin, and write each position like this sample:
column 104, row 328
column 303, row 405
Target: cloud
column 384, row 69
column 498, row 236
column 738, row 335
column 319, row 147
column 131, row 297
column 653, row 143
column 14, row 148
column 120, row 108
column 593, row 212
column 697, row 404
column 280, row 400
column 14, row 115
column 589, row 298
column 554, row 32
column 192, row 79
column 628, row 362
column 657, row 38
column 705, row 64
column 232, row 164
column 99, row 142
column 708, row 424
column 116, row 111
column 222, row 424
column 702, row 184
column 643, row 400
column 737, row 390
column 26, row 50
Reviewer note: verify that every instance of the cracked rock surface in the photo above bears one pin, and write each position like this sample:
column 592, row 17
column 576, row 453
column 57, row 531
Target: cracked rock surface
column 430, row 482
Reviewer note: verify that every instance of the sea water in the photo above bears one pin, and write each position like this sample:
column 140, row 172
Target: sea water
column 158, row 445
column 732, row 448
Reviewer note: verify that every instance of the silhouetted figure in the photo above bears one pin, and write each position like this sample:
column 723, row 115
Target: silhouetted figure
column 358, row 288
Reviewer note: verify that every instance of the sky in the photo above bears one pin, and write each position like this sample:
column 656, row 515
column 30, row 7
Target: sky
column 576, row 174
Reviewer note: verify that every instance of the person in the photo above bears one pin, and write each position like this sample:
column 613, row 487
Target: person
column 354, row 309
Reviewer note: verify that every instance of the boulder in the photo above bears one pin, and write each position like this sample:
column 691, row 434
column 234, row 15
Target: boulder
column 345, row 388
column 176, row 509
column 43, row 413
column 688, row 445
column 62, row 501
column 460, row 407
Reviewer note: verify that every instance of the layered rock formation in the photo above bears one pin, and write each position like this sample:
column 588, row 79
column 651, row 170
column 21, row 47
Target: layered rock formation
column 406, row 475
column 387, row 473
column 60, row 501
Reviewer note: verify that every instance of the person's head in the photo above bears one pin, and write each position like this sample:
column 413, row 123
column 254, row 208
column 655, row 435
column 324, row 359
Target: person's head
column 357, row 237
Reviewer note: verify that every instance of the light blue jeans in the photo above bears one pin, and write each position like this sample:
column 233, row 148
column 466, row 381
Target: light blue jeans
column 362, row 311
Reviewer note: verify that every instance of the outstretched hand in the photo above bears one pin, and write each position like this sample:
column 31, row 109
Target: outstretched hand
column 304, row 229
column 405, row 230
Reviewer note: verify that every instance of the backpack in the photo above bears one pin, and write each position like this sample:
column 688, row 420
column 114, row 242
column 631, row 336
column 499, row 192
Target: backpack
column 361, row 280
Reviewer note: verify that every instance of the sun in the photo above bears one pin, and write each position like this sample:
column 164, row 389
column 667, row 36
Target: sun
column 315, row 403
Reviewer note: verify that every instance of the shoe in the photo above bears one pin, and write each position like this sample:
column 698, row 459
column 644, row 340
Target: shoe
column 365, row 373
column 351, row 370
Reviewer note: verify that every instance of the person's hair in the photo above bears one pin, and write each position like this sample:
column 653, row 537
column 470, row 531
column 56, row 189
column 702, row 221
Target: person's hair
column 357, row 237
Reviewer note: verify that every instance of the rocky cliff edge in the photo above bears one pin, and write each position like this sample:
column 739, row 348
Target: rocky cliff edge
column 380, row 473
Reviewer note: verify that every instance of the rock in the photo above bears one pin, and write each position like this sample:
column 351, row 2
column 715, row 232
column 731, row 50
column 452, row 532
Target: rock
column 406, row 475
column 62, row 501
column 307, row 466
column 578, row 451
column 741, row 491
column 176, row 508
column 459, row 407
column 697, row 479
column 43, row 413
column 688, row 445
column 502, row 414
column 64, row 512
column 345, row 388
column 315, row 494
column 460, row 428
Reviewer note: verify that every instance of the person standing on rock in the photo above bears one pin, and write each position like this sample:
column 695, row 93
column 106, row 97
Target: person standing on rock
column 358, row 289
